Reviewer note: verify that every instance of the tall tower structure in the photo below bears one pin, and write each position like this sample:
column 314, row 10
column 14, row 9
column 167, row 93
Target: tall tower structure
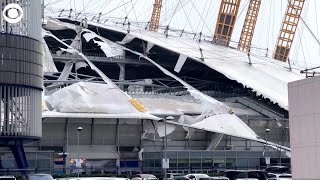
column 249, row 25
column 288, row 29
column 225, row 23
column 21, row 75
column 155, row 17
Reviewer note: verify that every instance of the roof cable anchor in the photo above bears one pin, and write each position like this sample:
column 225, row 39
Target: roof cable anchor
column 128, row 27
column 70, row 11
column 147, row 25
column 250, row 63
column 201, row 53
column 125, row 19
column 167, row 31
column 61, row 13
column 200, row 34
column 182, row 32
column 98, row 20
column 289, row 63
column 78, row 15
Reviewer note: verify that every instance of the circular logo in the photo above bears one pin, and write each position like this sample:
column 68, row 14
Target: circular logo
column 12, row 13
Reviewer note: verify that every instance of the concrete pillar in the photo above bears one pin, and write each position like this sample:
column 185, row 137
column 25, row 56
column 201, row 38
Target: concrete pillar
column 122, row 73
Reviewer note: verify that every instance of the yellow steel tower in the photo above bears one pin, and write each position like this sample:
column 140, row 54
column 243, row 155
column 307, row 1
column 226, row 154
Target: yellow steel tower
column 225, row 22
column 288, row 29
column 249, row 25
column 155, row 18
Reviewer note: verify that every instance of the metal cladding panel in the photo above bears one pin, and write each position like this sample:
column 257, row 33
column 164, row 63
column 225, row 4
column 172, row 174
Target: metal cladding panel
column 21, row 61
column 21, row 82
column 29, row 25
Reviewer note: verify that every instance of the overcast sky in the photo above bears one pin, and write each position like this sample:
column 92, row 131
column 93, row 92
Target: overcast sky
column 200, row 16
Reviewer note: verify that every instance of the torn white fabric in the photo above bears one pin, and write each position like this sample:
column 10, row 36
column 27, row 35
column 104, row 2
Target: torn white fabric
column 110, row 49
column 207, row 102
column 92, row 66
column 85, row 97
column 161, row 126
column 64, row 75
column 134, row 102
column 48, row 63
column 55, row 24
column 127, row 39
column 76, row 43
column 228, row 124
column 66, row 71
column 227, row 61
column 122, row 73
column 182, row 59
column 88, row 36
column 185, row 119
column 133, row 116
column 149, row 47
column 215, row 140
column 148, row 129
column 139, row 85
column 211, row 107
column 79, row 65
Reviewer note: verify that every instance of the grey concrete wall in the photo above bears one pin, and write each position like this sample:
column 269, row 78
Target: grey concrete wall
column 304, row 103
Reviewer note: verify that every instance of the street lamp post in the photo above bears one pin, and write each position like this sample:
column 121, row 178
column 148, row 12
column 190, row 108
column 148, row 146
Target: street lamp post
column 78, row 162
column 166, row 143
column 267, row 148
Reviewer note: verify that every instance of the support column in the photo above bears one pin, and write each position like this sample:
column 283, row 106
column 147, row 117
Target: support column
column 92, row 132
column 19, row 155
column 66, row 143
column 122, row 74
column 118, row 148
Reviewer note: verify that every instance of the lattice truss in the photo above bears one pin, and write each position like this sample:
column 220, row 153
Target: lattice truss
column 249, row 25
column 288, row 29
column 155, row 18
column 225, row 22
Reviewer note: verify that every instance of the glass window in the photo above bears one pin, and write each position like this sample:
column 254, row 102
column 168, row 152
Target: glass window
column 195, row 162
column 230, row 163
column 183, row 163
column 271, row 176
column 219, row 163
column 173, row 163
column 157, row 163
column 207, row 162
column 285, row 176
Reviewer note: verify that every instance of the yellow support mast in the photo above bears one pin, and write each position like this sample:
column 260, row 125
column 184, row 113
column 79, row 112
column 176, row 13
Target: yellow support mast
column 225, row 23
column 249, row 25
column 155, row 18
column 288, row 29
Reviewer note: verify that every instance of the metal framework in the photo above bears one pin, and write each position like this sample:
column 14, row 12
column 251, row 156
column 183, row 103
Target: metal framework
column 288, row 29
column 225, row 22
column 249, row 25
column 155, row 18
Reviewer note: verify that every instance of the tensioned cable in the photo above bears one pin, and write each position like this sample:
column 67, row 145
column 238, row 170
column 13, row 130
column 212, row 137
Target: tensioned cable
column 204, row 7
column 206, row 15
column 201, row 16
column 118, row 6
column 174, row 12
column 313, row 35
